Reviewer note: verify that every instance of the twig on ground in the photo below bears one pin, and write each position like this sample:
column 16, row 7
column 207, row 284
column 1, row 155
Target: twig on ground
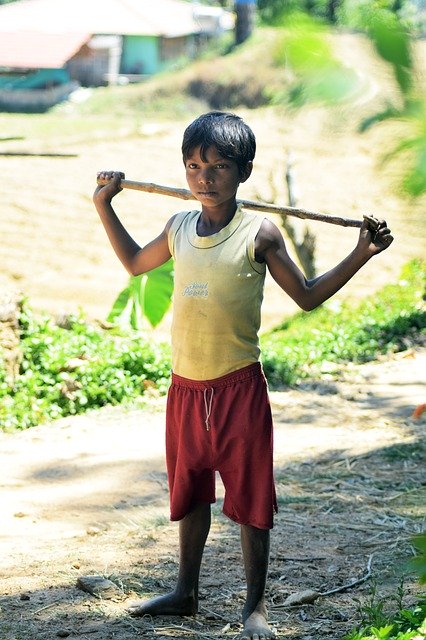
column 132, row 626
column 401, row 494
column 185, row 630
column 47, row 606
column 309, row 596
column 378, row 535
column 355, row 583
column 213, row 613
column 298, row 559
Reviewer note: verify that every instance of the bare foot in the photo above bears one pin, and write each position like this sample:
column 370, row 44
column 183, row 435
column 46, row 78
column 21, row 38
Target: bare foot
column 257, row 628
column 168, row 605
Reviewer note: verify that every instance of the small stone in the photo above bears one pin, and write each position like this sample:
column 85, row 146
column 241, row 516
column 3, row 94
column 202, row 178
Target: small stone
column 24, row 596
column 93, row 531
column 63, row 633
column 98, row 586
column 302, row 597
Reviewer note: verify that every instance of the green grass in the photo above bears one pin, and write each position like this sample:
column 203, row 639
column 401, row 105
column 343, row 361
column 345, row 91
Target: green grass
column 381, row 324
column 66, row 371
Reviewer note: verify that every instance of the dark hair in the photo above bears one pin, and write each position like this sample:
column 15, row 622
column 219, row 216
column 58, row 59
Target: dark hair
column 231, row 136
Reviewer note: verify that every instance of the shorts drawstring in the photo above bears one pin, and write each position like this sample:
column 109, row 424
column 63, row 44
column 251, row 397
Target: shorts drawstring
column 208, row 407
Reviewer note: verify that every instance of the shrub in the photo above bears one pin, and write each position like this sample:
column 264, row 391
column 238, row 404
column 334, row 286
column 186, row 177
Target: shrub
column 384, row 323
column 67, row 371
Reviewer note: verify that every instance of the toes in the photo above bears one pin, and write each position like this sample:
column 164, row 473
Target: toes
column 134, row 610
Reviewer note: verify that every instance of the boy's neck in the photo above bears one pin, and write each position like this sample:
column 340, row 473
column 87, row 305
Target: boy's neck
column 213, row 219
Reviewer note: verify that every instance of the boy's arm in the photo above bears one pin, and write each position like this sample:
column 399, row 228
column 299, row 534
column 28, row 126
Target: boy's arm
column 308, row 294
column 135, row 259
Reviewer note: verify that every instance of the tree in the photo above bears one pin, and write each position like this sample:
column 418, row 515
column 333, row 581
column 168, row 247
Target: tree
column 318, row 77
column 244, row 11
column 393, row 43
column 273, row 11
column 332, row 9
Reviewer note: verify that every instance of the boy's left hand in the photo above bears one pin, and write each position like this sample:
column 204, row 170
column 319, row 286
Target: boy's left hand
column 375, row 234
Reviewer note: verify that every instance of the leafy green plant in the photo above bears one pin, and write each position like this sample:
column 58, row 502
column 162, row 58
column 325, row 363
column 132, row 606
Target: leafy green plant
column 317, row 76
column 380, row 621
column 392, row 41
column 68, row 371
column 148, row 295
column 418, row 563
column 274, row 11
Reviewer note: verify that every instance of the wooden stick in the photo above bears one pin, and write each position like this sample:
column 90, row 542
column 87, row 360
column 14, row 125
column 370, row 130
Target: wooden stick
column 30, row 154
column 185, row 194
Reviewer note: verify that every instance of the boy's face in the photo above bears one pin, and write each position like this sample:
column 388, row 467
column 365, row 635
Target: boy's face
column 214, row 180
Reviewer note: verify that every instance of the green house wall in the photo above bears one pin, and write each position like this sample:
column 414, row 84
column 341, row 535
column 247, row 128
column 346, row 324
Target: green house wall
column 43, row 78
column 149, row 54
column 140, row 55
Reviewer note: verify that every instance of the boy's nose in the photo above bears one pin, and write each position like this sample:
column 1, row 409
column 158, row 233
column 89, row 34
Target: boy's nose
column 205, row 176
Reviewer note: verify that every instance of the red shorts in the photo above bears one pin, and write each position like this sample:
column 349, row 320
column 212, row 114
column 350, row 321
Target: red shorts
column 222, row 425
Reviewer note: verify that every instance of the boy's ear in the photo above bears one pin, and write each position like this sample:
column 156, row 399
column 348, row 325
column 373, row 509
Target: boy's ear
column 246, row 173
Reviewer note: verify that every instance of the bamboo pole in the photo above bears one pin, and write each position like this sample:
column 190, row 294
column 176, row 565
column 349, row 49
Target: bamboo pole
column 185, row 194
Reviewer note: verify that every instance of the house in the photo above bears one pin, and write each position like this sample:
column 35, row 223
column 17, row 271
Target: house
column 48, row 47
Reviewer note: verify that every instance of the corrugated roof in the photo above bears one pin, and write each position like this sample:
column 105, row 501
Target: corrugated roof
column 169, row 18
column 36, row 50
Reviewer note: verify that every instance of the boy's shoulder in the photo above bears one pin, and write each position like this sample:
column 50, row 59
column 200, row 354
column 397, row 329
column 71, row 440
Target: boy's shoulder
column 180, row 217
column 177, row 222
column 249, row 215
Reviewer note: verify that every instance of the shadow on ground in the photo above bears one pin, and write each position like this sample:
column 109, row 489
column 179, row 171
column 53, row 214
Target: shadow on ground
column 335, row 514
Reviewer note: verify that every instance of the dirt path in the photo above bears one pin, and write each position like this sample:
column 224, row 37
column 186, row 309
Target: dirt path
column 88, row 495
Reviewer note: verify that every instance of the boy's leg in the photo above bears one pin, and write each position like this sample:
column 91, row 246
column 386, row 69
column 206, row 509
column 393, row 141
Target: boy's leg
column 255, row 547
column 183, row 601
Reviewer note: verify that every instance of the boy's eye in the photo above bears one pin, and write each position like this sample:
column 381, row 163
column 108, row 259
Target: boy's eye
column 218, row 165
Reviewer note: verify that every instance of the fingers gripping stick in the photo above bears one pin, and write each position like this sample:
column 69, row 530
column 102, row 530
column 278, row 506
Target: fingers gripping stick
column 373, row 223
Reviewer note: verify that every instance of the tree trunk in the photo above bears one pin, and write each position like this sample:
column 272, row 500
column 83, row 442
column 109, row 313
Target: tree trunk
column 244, row 12
column 332, row 7
column 10, row 352
column 305, row 250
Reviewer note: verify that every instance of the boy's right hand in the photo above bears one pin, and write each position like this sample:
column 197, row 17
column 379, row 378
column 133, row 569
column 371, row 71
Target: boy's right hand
column 108, row 185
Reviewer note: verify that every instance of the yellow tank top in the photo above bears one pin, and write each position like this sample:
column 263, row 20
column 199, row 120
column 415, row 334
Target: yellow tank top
column 217, row 299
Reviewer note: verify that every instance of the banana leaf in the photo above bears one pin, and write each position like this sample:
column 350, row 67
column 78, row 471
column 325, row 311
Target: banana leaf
column 148, row 296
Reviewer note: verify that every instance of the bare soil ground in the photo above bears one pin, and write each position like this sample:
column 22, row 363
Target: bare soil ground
column 88, row 496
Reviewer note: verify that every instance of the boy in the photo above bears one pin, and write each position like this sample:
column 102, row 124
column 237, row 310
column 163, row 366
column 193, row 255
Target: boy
column 218, row 414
